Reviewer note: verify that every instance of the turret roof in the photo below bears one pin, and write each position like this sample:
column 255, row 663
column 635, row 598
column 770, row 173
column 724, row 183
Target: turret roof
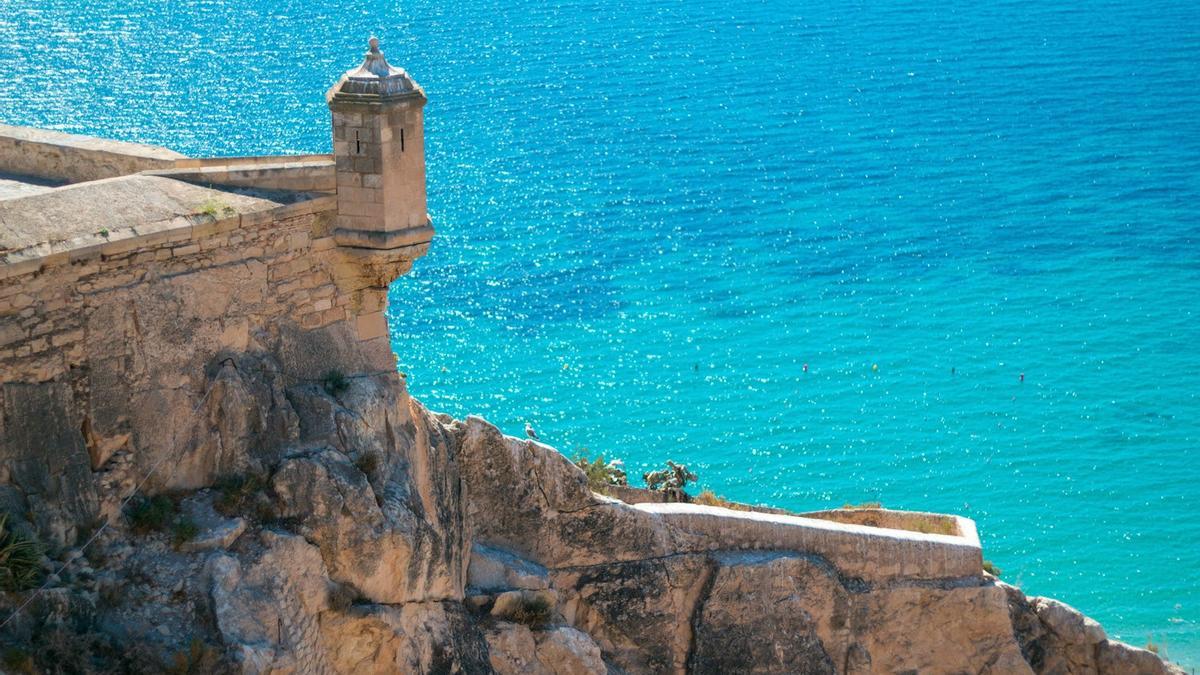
column 375, row 81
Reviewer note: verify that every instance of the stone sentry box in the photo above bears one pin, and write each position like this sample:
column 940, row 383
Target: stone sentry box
column 379, row 151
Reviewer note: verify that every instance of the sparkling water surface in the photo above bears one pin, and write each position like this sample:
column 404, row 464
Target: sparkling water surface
column 652, row 216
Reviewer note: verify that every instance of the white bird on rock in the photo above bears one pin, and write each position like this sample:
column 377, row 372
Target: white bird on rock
column 530, row 432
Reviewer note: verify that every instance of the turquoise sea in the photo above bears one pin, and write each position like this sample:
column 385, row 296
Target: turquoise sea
column 651, row 216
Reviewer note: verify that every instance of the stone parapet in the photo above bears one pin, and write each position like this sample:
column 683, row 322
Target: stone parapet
column 72, row 158
column 311, row 173
column 870, row 553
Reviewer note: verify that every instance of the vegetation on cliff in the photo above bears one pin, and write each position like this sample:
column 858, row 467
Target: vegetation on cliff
column 19, row 555
column 600, row 473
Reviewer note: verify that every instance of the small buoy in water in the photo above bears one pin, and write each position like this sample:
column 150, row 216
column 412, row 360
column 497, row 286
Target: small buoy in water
column 875, row 367
column 806, row 367
column 1022, row 377
column 566, row 366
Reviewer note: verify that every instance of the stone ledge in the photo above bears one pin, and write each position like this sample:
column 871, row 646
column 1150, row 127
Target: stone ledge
column 73, row 158
column 312, row 174
column 371, row 239
column 872, row 553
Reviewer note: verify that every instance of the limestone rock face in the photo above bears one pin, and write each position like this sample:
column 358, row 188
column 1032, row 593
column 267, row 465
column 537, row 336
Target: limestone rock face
column 267, row 606
column 783, row 613
column 337, row 509
column 46, row 464
column 1057, row 638
column 389, row 522
column 421, row 637
column 1068, row 623
column 527, row 498
column 1117, row 657
column 566, row 651
column 493, row 569
column 514, row 649
column 214, row 531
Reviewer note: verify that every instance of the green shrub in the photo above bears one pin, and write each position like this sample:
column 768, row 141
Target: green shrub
column 235, row 492
column 184, row 530
column 535, row 611
column 334, row 382
column 600, row 474
column 151, row 514
column 20, row 554
column 990, row 568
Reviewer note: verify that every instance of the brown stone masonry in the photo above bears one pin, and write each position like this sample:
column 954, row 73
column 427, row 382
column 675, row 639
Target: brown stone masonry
column 282, row 263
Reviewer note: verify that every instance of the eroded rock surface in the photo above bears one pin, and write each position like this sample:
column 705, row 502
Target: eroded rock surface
column 381, row 538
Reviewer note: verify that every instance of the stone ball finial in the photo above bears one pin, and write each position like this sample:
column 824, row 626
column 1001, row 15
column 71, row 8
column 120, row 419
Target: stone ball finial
column 373, row 43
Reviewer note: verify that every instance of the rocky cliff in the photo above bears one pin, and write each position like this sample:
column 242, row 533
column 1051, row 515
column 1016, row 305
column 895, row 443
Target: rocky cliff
column 348, row 529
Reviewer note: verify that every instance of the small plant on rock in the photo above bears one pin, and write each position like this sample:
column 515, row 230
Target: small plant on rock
column 183, row 531
column 990, row 568
column 334, row 382
column 709, row 498
column 367, row 463
column 234, row 493
column 19, row 558
column 150, row 514
column 600, row 474
column 216, row 209
column 535, row 611
column 670, row 480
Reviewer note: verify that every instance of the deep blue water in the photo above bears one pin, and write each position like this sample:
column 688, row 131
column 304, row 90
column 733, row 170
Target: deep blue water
column 652, row 216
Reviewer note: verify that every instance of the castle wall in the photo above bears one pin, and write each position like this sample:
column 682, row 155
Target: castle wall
column 48, row 306
column 70, row 158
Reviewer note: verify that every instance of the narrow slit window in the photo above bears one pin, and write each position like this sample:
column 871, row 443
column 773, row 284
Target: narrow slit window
column 401, row 139
column 357, row 144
